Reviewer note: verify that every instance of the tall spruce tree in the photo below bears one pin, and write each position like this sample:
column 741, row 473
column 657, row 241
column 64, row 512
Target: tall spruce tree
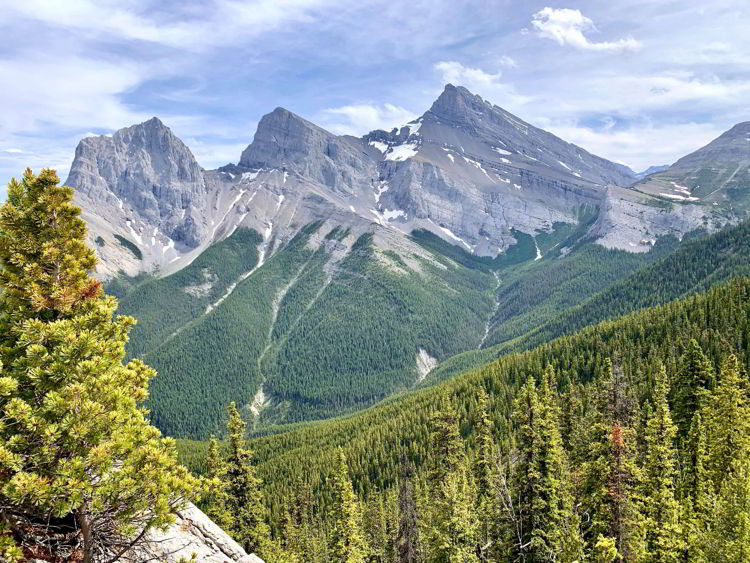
column 611, row 475
column 245, row 503
column 697, row 493
column 541, row 477
column 83, row 475
column 216, row 496
column 663, row 532
column 452, row 524
column 727, row 421
column 726, row 535
column 408, row 544
column 347, row 543
column 693, row 380
column 485, row 470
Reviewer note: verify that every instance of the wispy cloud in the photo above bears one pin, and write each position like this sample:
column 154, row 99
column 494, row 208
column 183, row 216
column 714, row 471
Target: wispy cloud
column 568, row 27
column 219, row 22
column 362, row 118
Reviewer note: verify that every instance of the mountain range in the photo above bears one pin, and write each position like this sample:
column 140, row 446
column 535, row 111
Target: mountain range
column 323, row 273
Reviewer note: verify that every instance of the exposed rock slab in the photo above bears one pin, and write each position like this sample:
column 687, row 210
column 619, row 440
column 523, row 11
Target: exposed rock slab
column 192, row 533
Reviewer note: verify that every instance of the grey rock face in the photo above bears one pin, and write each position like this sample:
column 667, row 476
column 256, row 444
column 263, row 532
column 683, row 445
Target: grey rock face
column 141, row 185
column 192, row 533
column 459, row 108
column 148, row 168
column 466, row 170
column 714, row 179
column 288, row 142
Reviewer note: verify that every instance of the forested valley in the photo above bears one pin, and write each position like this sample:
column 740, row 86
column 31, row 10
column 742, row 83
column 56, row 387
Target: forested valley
column 627, row 441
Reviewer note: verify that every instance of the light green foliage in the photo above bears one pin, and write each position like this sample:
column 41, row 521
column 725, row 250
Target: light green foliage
column 244, row 489
column 347, row 544
column 663, row 531
column 217, row 498
column 75, row 447
column 451, row 524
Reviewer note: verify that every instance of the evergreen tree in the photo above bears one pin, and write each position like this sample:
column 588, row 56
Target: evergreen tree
column 82, row 472
column 347, row 543
column 610, row 472
column 408, row 544
column 541, row 475
column 485, row 471
column 216, row 497
column 727, row 421
column 297, row 529
column 663, row 532
column 244, row 489
column 726, row 534
column 727, row 538
column 376, row 528
column 694, row 379
column 452, row 522
column 697, row 492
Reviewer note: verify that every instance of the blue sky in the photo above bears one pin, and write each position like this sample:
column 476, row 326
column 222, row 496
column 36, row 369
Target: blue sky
column 638, row 81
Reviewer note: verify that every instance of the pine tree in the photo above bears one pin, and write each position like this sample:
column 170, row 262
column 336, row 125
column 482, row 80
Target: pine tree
column 485, row 470
column 347, row 543
column 727, row 421
column 216, row 497
column 452, row 524
column 726, row 535
column 80, row 466
column 244, row 489
column 697, row 492
column 376, row 528
column 408, row 544
column 694, row 379
column 663, row 532
column 610, row 473
column 541, row 476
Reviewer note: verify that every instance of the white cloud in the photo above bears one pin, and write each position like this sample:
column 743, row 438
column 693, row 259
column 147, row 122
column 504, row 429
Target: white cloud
column 362, row 118
column 13, row 151
column 510, row 62
column 567, row 27
column 224, row 22
column 639, row 145
column 456, row 72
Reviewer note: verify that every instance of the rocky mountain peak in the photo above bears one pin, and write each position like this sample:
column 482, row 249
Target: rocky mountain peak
column 282, row 137
column 739, row 129
column 457, row 105
column 286, row 141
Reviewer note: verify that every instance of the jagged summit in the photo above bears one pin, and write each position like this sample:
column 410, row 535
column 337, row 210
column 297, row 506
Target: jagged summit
column 456, row 104
column 282, row 135
column 286, row 141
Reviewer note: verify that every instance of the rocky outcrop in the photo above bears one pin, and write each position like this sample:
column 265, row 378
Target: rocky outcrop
column 140, row 188
column 193, row 533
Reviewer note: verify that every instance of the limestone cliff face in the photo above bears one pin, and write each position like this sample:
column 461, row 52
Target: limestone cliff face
column 144, row 185
column 192, row 533
column 286, row 141
column 466, row 170
column 715, row 178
